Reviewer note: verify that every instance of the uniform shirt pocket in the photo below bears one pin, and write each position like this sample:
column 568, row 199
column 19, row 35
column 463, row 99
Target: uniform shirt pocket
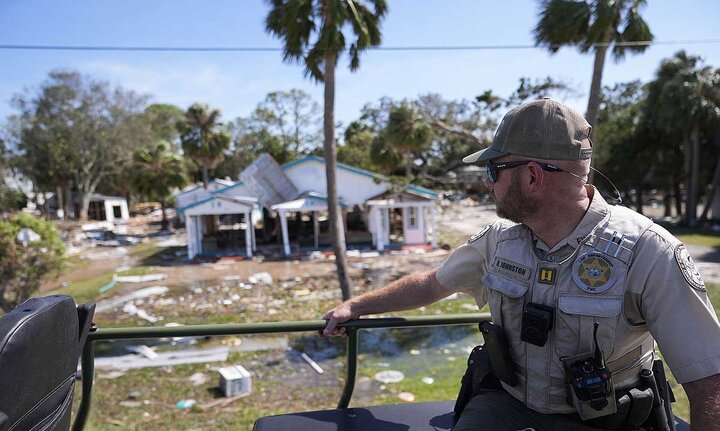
column 575, row 320
column 506, row 300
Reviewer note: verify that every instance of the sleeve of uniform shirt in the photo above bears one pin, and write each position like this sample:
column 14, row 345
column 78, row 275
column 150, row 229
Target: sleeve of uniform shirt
column 680, row 317
column 464, row 269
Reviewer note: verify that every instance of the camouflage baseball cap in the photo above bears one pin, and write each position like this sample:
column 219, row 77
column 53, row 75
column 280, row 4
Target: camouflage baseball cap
column 543, row 129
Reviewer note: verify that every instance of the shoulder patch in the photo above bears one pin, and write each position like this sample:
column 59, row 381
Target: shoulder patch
column 688, row 268
column 479, row 235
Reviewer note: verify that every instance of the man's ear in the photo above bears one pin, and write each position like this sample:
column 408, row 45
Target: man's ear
column 536, row 175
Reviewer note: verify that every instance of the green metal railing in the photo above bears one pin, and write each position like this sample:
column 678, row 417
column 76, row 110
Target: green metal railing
column 352, row 327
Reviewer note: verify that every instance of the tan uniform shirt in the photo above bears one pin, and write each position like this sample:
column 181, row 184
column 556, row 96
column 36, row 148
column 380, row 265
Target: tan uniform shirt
column 660, row 293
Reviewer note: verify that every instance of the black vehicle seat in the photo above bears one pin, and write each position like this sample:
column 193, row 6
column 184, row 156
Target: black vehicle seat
column 40, row 343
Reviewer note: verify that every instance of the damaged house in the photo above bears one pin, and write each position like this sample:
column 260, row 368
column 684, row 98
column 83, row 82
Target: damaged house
column 283, row 209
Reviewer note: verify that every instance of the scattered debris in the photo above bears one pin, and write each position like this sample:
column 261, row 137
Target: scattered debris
column 185, row 404
column 312, row 363
column 406, row 396
column 235, row 380
column 450, row 297
column 261, row 277
column 198, row 379
column 472, row 307
column 414, row 352
column 428, row 380
column 141, row 293
column 141, row 278
column 131, row 403
column 133, row 395
column 198, row 356
column 110, row 285
column 143, row 350
column 231, row 278
column 389, row 376
column 223, row 402
column 111, row 375
column 110, row 254
column 132, row 310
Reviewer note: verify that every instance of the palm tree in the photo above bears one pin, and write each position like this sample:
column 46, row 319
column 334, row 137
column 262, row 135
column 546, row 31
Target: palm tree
column 407, row 133
column 593, row 24
column 686, row 99
column 314, row 33
column 201, row 137
column 156, row 172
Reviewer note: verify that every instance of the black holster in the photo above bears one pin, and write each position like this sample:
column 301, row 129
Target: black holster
column 478, row 378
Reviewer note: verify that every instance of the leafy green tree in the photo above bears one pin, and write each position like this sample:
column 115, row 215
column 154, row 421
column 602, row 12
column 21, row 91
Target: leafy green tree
column 408, row 134
column 355, row 147
column 314, row 33
column 163, row 120
column 203, row 139
column 685, row 98
column 157, row 171
column 77, row 131
column 593, row 25
column 23, row 267
column 624, row 142
column 294, row 117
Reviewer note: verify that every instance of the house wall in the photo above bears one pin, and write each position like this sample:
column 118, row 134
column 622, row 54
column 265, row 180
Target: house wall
column 110, row 213
column 353, row 187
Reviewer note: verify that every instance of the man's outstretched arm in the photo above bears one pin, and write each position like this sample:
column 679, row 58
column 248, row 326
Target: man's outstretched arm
column 704, row 397
column 409, row 292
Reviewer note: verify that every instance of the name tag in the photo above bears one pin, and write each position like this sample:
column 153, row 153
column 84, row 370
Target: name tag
column 511, row 269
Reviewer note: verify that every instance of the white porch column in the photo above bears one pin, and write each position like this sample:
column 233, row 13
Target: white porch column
column 386, row 226
column 199, row 233
column 109, row 214
column 283, row 225
column 190, row 232
column 379, row 230
column 248, row 235
column 434, row 227
column 316, row 229
column 252, row 231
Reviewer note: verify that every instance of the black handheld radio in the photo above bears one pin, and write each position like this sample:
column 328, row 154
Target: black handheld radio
column 590, row 382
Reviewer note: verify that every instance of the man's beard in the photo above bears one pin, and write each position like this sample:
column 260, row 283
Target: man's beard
column 514, row 206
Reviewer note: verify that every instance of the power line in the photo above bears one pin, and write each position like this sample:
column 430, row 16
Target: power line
column 380, row 48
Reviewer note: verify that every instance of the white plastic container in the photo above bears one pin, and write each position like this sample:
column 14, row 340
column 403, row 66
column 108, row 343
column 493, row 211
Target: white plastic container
column 235, row 380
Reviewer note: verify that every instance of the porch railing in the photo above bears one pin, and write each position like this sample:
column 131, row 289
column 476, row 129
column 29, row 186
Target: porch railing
column 352, row 327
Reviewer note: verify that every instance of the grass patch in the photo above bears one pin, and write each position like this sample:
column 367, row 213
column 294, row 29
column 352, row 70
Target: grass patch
column 705, row 239
column 85, row 290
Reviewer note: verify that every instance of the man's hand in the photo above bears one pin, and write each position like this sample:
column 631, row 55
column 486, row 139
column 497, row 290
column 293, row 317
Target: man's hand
column 341, row 313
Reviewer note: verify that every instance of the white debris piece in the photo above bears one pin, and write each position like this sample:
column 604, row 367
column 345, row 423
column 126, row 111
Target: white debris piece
column 312, row 363
column 235, row 380
column 428, row 380
column 132, row 310
column 406, row 396
column 143, row 350
column 261, row 277
column 120, row 300
column 390, row 376
column 199, row 356
column 141, row 278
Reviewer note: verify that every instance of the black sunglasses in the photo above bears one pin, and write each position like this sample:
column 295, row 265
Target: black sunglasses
column 494, row 168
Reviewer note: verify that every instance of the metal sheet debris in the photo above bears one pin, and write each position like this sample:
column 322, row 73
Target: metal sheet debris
column 389, row 376
column 197, row 356
column 141, row 278
column 120, row 300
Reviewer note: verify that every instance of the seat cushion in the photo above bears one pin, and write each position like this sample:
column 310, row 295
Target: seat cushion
column 429, row 416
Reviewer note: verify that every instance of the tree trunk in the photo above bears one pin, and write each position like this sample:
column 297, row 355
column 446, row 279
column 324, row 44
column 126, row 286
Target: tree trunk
column 596, row 89
column 206, row 177
column 711, row 194
column 639, row 198
column 678, row 197
column 336, row 228
column 667, row 202
column 408, row 166
column 60, row 207
column 84, row 205
column 69, row 204
column 164, row 223
column 692, row 168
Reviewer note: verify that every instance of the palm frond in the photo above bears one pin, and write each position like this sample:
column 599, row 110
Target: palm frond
column 562, row 22
column 636, row 29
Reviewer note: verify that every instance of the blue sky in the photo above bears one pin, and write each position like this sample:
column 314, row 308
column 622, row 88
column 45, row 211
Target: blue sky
column 236, row 82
